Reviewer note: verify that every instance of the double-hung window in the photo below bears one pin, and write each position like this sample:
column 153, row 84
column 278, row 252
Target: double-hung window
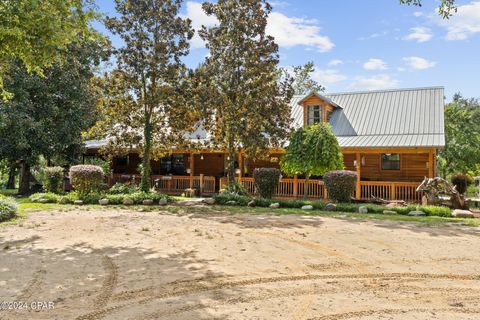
column 314, row 114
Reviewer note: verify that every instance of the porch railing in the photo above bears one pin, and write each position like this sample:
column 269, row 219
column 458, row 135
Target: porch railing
column 295, row 188
column 171, row 184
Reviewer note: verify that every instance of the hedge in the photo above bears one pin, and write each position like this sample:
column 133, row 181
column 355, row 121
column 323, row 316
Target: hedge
column 52, row 179
column 266, row 181
column 340, row 184
column 86, row 178
column 8, row 208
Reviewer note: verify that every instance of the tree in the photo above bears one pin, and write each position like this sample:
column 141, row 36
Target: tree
column 47, row 114
column 302, row 79
column 446, row 7
column 462, row 131
column 312, row 150
column 243, row 104
column 37, row 33
column 144, row 104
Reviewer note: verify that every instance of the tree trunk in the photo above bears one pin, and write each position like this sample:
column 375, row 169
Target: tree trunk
column 305, row 186
column 145, row 183
column 231, row 161
column 11, row 177
column 25, row 178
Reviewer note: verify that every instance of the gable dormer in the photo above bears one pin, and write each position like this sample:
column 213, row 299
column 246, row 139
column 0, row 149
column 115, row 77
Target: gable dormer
column 316, row 108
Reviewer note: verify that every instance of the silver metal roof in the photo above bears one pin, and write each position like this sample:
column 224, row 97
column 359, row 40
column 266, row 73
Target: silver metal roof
column 388, row 118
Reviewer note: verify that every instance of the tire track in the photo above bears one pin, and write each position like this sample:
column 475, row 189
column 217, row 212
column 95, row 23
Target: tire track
column 106, row 291
column 195, row 286
column 366, row 313
column 33, row 285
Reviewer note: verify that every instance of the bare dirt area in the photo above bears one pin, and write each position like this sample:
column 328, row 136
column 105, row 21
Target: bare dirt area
column 124, row 264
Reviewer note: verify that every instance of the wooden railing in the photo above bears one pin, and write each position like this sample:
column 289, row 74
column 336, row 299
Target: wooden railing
column 315, row 189
column 390, row 190
column 170, row 184
column 287, row 187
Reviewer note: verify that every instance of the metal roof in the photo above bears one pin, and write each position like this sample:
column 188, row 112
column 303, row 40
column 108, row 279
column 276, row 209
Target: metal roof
column 387, row 118
column 371, row 119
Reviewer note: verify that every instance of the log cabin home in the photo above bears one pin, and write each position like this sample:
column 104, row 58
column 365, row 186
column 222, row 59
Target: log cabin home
column 389, row 137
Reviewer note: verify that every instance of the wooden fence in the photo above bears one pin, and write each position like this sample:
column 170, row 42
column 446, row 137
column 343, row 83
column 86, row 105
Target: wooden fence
column 315, row 189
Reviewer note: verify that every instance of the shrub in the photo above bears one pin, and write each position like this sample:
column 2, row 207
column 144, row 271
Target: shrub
column 461, row 181
column 123, row 188
column 266, row 180
column 104, row 164
column 8, row 208
column 340, row 184
column 86, row 178
column 52, row 178
column 48, row 197
column 236, row 188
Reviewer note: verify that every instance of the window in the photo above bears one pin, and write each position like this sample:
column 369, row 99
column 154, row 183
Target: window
column 391, row 161
column 174, row 164
column 329, row 115
column 120, row 161
column 314, row 114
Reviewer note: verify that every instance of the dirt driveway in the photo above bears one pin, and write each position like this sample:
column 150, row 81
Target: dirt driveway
column 122, row 264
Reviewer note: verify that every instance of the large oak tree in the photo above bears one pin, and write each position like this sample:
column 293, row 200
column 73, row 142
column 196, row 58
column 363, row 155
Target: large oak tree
column 144, row 105
column 244, row 106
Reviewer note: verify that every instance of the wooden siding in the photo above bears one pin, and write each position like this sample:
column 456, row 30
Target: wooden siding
column 211, row 165
column 313, row 100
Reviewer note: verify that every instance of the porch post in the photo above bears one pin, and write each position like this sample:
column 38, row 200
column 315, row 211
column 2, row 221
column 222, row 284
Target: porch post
column 192, row 167
column 431, row 165
column 358, row 191
column 240, row 166
column 295, row 186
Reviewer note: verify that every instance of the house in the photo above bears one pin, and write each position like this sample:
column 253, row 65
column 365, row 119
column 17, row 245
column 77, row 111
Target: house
column 389, row 137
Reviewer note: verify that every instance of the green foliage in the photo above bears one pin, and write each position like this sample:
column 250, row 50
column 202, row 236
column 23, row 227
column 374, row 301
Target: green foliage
column 303, row 82
column 96, row 161
column 137, row 197
column 145, row 93
column 461, row 181
column 445, row 9
column 236, row 188
column 238, row 95
column 312, row 150
column 8, row 208
column 38, row 32
column 86, row 178
column 48, row 197
column 266, row 181
column 340, row 184
column 123, row 188
column 222, row 199
column 47, row 115
column 52, row 179
column 462, row 133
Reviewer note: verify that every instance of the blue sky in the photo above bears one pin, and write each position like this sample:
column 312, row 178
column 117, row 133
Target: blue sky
column 367, row 45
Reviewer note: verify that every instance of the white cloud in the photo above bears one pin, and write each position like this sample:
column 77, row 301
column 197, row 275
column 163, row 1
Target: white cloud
column 464, row 23
column 199, row 18
column 401, row 69
column 378, row 82
column 418, row 13
column 335, row 62
column 287, row 31
column 375, row 64
column 328, row 76
column 291, row 31
column 418, row 63
column 419, row 34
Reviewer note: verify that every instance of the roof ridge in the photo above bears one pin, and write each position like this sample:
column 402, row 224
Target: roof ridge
column 384, row 90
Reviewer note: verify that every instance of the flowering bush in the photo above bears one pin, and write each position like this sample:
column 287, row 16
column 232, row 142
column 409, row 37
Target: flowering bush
column 86, row 178
column 52, row 178
column 340, row 184
column 266, row 180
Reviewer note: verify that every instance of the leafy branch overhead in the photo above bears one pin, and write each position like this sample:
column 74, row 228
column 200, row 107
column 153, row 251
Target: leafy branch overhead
column 446, row 7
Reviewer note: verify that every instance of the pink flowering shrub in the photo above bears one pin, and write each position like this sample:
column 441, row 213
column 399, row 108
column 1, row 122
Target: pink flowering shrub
column 86, row 178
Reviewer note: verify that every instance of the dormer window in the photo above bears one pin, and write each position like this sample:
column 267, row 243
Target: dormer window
column 314, row 114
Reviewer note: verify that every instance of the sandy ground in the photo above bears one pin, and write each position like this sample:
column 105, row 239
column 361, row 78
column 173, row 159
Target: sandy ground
column 122, row 264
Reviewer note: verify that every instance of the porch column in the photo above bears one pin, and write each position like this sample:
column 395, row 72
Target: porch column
column 431, row 164
column 295, row 186
column 192, row 167
column 240, row 166
column 358, row 190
